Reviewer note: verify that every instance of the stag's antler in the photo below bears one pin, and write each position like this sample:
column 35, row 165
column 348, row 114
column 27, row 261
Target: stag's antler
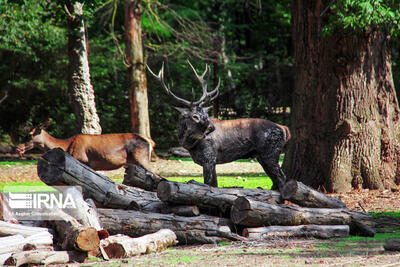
column 160, row 78
column 212, row 94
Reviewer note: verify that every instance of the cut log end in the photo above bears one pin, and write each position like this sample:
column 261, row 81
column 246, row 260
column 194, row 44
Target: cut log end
column 289, row 189
column 240, row 210
column 164, row 190
column 115, row 251
column 88, row 239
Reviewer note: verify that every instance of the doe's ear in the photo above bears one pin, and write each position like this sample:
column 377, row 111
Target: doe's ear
column 184, row 111
column 45, row 124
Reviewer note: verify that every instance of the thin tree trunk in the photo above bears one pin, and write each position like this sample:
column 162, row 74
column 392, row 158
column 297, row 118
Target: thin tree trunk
column 80, row 87
column 137, row 83
column 345, row 116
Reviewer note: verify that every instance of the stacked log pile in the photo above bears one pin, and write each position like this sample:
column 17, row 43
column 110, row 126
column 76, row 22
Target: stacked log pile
column 148, row 213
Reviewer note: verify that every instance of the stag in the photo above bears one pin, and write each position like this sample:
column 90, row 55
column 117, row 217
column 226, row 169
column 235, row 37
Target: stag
column 212, row 141
column 100, row 152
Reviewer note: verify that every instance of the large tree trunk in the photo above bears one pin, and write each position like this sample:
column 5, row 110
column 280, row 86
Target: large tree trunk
column 80, row 87
column 137, row 83
column 345, row 116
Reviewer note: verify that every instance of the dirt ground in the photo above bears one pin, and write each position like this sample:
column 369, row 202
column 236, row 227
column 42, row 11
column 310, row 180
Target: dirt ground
column 277, row 252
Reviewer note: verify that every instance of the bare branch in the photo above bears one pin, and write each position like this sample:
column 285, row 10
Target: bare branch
column 4, row 97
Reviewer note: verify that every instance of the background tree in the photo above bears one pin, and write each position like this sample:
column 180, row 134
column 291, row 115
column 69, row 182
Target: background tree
column 137, row 83
column 81, row 89
column 345, row 119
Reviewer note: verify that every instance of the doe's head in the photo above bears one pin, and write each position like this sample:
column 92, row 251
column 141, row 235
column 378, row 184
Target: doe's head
column 34, row 139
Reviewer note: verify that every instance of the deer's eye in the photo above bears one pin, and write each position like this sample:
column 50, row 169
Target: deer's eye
column 196, row 117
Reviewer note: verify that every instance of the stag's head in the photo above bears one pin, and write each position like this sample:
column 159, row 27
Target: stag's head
column 194, row 123
column 34, row 139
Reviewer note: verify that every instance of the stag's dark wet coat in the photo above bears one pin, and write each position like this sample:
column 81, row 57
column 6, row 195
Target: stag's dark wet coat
column 212, row 141
column 231, row 140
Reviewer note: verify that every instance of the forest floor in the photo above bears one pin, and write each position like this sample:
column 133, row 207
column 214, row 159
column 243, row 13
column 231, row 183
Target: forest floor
column 356, row 251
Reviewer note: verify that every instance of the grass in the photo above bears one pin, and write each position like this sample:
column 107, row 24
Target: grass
column 233, row 181
column 21, row 162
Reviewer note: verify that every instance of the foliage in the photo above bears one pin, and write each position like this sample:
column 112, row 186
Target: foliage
column 246, row 43
column 363, row 15
column 31, row 41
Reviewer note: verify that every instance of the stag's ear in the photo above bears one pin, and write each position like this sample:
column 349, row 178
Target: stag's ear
column 184, row 111
column 207, row 109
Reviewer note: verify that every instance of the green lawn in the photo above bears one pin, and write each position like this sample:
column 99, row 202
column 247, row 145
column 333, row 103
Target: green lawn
column 233, row 181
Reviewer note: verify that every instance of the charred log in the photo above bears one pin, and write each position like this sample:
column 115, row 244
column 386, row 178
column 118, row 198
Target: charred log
column 305, row 196
column 255, row 213
column 189, row 230
column 208, row 197
column 136, row 175
column 56, row 167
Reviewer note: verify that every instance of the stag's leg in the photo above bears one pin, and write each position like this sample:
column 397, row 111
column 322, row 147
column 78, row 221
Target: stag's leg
column 273, row 170
column 268, row 157
column 210, row 175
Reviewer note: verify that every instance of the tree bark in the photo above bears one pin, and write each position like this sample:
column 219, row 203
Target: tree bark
column 80, row 87
column 137, row 83
column 123, row 246
column 189, row 230
column 345, row 115
column 255, row 213
column 311, row 230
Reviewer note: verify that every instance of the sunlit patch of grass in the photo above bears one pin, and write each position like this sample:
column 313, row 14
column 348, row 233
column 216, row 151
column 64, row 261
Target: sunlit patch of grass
column 232, row 181
column 22, row 162
column 394, row 214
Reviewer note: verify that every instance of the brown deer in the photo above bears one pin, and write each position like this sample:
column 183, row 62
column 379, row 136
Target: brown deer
column 100, row 152
column 212, row 141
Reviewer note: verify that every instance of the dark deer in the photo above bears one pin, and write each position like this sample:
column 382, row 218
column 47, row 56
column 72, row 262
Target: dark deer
column 211, row 141
column 100, row 152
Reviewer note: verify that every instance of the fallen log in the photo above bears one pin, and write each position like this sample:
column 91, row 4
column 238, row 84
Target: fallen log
column 72, row 234
column 3, row 258
column 7, row 228
column 123, row 246
column 17, row 242
column 5, row 212
column 392, row 245
column 136, row 175
column 44, row 257
column 305, row 196
column 205, row 196
column 179, row 152
column 311, row 230
column 252, row 213
column 189, row 230
column 56, row 167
